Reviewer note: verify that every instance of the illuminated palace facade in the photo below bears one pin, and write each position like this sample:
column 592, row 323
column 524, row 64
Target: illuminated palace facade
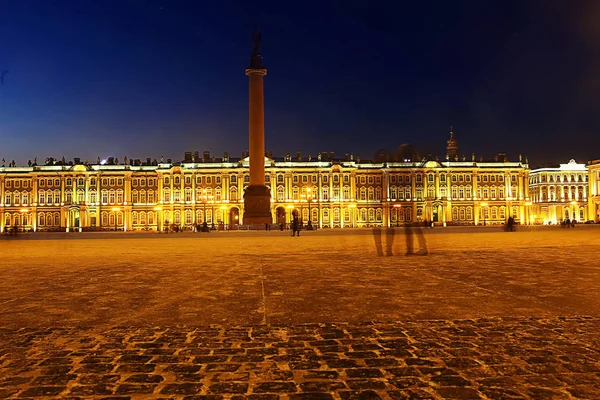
column 327, row 192
column 560, row 193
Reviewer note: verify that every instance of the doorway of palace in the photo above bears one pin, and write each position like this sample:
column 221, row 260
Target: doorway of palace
column 280, row 215
column 234, row 216
column 436, row 214
column 75, row 218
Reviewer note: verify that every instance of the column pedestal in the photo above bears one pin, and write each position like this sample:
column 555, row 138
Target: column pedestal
column 257, row 205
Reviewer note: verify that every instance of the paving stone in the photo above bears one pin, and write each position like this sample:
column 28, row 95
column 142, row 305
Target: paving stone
column 91, row 390
column 135, row 389
column 181, row 388
column 458, row 393
column 513, row 366
column 40, row 391
column 270, row 387
column 124, row 368
column 229, row 387
column 321, row 386
column 145, row 378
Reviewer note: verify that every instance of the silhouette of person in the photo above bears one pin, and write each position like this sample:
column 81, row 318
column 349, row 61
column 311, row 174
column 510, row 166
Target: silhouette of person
column 417, row 230
column 295, row 224
column 389, row 240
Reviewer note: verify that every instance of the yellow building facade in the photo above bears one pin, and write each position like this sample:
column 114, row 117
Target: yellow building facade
column 326, row 193
column 558, row 194
column 594, row 190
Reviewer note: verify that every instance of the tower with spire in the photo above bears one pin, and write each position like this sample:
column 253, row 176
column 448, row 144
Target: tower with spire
column 451, row 147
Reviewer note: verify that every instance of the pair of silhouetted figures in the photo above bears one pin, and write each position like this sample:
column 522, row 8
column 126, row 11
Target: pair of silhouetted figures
column 410, row 231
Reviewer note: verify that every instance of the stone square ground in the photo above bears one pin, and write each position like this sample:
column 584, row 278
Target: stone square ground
column 261, row 315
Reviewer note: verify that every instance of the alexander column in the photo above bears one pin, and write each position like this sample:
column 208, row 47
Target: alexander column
column 257, row 197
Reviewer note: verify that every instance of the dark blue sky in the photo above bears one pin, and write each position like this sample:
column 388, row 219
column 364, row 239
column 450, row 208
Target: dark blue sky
column 145, row 78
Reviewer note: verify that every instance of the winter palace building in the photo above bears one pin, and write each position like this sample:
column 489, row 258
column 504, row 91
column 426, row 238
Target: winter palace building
column 326, row 191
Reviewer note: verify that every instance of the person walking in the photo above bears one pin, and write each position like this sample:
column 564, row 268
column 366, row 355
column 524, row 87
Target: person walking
column 295, row 224
column 417, row 230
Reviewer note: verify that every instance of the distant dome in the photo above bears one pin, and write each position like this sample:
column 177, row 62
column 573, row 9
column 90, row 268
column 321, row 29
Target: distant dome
column 406, row 152
column 382, row 156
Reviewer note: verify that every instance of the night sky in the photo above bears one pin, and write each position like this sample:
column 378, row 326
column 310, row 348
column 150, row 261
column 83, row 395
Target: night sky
column 153, row 78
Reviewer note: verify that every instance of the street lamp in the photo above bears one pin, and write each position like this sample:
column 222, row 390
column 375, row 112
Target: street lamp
column 115, row 210
column 309, row 199
column 484, row 205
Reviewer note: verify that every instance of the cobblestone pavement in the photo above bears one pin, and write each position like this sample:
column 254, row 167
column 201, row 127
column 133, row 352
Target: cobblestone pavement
column 556, row 358
column 265, row 316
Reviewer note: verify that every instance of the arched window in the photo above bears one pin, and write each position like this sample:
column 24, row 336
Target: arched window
column 150, row 218
column 336, row 214
column 111, row 197
column 326, row 215
column 42, row 219
column 42, row 197
column 371, row 192
column 56, row 219
column 199, row 217
column 142, row 196
column 363, row 214
column 363, row 193
column 461, row 214
column 378, row 193
column 408, row 214
column 502, row 213
column 346, row 193
column 134, row 218
column 378, row 215
column 111, row 219
column 371, row 215
column 469, row 213
column 233, row 194
column 188, row 217
column 346, row 215
column 455, row 213
column 494, row 212
column 177, row 216
column 296, row 193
